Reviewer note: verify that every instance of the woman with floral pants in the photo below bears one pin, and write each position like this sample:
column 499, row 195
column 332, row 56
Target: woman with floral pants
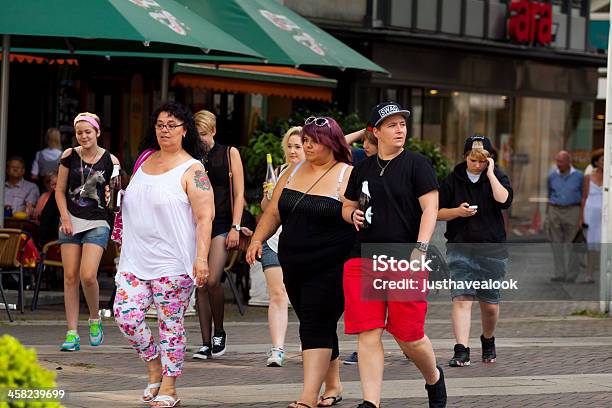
column 170, row 295
column 167, row 213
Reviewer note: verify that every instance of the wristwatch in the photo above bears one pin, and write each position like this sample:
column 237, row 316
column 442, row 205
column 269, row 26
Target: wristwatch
column 422, row 246
column 236, row 227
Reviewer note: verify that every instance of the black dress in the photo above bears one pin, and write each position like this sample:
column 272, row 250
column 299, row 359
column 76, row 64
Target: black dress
column 313, row 246
column 217, row 169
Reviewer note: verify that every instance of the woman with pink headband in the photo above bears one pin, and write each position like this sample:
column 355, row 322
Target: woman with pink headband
column 81, row 191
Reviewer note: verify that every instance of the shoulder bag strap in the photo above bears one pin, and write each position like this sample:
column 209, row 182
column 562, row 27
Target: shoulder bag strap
column 310, row 188
column 231, row 179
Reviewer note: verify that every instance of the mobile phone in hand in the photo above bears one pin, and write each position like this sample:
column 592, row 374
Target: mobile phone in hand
column 473, row 207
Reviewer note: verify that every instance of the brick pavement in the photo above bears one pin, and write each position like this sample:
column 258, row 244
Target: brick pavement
column 536, row 339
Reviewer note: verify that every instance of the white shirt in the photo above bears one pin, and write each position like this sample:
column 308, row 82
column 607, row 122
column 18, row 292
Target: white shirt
column 159, row 231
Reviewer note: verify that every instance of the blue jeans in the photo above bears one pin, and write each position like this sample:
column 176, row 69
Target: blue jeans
column 269, row 258
column 469, row 268
column 98, row 236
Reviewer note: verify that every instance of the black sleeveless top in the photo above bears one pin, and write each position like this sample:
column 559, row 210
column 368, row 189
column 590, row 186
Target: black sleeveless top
column 86, row 185
column 315, row 239
column 217, row 168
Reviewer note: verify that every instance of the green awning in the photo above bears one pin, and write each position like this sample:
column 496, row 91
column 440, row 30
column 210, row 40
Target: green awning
column 160, row 26
column 281, row 36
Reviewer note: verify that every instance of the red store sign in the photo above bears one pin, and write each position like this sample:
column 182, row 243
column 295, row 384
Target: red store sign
column 530, row 22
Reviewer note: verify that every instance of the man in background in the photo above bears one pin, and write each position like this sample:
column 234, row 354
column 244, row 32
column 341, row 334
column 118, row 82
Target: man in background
column 563, row 217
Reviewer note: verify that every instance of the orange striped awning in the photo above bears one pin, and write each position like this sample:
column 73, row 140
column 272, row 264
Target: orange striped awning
column 30, row 59
column 266, row 80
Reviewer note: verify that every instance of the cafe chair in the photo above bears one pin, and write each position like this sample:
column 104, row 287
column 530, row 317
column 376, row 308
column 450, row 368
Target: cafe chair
column 9, row 259
column 50, row 258
column 3, row 241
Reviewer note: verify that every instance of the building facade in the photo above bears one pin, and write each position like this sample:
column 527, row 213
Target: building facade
column 520, row 72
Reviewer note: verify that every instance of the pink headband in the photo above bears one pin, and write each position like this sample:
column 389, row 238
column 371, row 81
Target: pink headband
column 87, row 119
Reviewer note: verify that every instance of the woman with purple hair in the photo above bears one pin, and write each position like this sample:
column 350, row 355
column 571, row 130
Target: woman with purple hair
column 312, row 248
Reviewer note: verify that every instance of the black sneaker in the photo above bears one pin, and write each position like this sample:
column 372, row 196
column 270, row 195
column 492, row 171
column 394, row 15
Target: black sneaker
column 352, row 359
column 461, row 357
column 366, row 404
column 218, row 344
column 436, row 393
column 488, row 349
column 203, row 353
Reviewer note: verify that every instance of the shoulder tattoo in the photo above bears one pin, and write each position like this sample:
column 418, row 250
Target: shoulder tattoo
column 201, row 180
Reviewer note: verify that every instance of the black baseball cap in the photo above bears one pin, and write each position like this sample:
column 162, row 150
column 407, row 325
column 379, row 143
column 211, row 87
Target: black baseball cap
column 382, row 110
column 477, row 142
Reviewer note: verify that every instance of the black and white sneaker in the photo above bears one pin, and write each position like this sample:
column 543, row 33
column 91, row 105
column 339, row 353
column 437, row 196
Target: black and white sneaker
column 203, row 353
column 488, row 349
column 218, row 344
column 461, row 358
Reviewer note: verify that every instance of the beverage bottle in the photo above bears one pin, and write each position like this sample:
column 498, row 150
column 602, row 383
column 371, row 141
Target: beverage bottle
column 115, row 190
column 364, row 205
column 270, row 177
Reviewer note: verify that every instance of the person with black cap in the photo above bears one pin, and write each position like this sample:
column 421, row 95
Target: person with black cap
column 410, row 179
column 472, row 198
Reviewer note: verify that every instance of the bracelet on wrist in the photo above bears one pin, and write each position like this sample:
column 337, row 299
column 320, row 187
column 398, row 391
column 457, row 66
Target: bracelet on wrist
column 203, row 260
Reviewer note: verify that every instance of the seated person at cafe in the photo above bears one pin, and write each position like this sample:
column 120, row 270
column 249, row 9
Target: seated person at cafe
column 20, row 195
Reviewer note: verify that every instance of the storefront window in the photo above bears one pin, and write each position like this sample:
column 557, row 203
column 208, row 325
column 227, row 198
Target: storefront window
column 526, row 132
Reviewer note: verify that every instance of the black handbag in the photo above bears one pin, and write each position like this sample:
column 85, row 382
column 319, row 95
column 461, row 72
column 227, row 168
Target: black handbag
column 439, row 268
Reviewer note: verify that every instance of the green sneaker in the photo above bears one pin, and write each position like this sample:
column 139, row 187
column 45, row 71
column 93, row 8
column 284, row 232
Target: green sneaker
column 72, row 343
column 96, row 335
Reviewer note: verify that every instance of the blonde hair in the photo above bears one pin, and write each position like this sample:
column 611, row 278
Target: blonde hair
column 478, row 154
column 371, row 138
column 53, row 138
column 293, row 131
column 206, row 120
column 91, row 115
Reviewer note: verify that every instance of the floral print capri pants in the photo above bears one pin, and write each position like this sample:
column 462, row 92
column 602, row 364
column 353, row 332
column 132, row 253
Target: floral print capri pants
column 170, row 296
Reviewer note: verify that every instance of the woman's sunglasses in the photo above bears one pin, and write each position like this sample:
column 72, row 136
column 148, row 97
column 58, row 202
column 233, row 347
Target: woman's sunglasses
column 317, row 121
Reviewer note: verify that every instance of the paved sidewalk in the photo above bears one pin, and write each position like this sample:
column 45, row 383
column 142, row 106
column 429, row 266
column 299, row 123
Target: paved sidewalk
column 546, row 358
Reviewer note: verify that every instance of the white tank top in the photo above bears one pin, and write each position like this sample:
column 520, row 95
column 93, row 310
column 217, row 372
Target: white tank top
column 159, row 232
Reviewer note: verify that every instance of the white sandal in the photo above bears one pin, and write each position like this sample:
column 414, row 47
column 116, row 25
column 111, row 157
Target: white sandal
column 147, row 395
column 167, row 401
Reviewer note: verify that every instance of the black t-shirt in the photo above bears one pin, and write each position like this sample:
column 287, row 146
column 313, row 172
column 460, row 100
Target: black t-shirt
column 408, row 176
column 85, row 195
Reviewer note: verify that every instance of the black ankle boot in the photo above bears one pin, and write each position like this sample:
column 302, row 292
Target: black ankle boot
column 436, row 393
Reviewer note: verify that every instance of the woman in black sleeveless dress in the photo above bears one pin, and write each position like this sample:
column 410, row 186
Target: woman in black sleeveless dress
column 312, row 249
column 220, row 161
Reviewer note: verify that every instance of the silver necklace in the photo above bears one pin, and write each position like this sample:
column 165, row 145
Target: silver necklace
column 382, row 169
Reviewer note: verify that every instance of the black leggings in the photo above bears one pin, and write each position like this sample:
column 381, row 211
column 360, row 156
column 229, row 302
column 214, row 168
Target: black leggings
column 318, row 301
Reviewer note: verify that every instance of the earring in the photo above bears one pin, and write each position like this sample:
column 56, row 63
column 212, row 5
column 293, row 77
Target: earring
column 184, row 135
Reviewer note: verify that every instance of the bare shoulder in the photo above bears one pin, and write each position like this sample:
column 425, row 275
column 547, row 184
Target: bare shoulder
column 114, row 159
column 67, row 152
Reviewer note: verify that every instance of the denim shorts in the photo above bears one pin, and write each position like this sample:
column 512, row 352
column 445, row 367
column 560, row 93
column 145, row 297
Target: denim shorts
column 469, row 268
column 98, row 236
column 269, row 258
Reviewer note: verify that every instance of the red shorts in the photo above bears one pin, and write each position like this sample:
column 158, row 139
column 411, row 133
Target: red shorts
column 404, row 319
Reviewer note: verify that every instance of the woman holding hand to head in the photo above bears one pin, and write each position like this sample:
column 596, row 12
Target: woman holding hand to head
column 312, row 248
column 279, row 303
column 81, row 191
column 167, row 215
